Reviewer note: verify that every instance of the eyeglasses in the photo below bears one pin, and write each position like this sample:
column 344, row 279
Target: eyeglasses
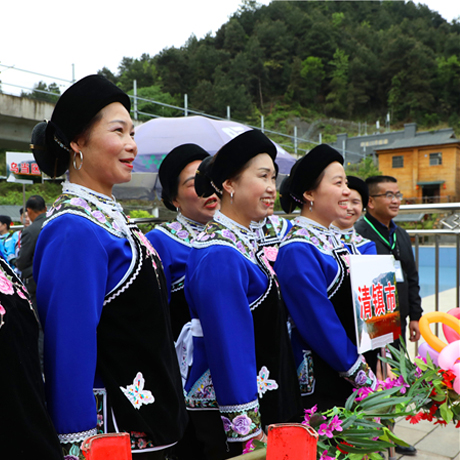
column 390, row 195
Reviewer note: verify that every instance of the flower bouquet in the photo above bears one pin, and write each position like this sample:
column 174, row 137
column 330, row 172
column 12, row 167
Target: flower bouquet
column 362, row 429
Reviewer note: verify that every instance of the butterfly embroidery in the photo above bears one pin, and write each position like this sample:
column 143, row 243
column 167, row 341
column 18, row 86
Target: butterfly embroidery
column 136, row 393
column 265, row 384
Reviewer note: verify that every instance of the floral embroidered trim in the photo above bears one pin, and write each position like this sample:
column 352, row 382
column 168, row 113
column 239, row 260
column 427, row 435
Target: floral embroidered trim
column 217, row 233
column 136, row 393
column 305, row 374
column 270, row 231
column 360, row 374
column 67, row 203
column 326, row 241
column 319, row 237
column 202, row 394
column 241, row 422
column 9, row 285
column 265, row 384
column 76, row 437
column 182, row 229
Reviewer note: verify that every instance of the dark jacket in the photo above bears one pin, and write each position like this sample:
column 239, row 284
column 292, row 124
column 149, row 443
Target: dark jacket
column 408, row 291
column 29, row 238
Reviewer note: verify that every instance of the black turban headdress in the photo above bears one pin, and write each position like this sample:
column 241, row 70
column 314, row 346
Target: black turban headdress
column 171, row 167
column 232, row 157
column 306, row 171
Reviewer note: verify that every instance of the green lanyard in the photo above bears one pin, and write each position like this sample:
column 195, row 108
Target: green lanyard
column 391, row 246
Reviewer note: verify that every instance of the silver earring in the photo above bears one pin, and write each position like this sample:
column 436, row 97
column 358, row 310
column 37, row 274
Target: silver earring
column 80, row 154
column 311, row 206
column 231, row 198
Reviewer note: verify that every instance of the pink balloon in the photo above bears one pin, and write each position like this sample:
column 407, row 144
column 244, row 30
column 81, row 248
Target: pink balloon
column 425, row 349
column 449, row 333
column 449, row 355
column 456, row 384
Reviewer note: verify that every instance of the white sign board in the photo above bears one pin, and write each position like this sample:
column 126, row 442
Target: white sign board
column 375, row 301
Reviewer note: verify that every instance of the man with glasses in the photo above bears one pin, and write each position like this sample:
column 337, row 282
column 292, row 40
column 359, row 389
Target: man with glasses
column 378, row 226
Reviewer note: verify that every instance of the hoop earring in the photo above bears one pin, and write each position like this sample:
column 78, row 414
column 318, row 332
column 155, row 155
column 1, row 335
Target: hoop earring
column 231, row 198
column 311, row 206
column 80, row 154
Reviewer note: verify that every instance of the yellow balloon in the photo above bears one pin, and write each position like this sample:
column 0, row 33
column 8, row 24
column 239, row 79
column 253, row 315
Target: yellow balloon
column 437, row 317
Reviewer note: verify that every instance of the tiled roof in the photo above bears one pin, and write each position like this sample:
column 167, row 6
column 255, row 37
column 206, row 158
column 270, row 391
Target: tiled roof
column 423, row 139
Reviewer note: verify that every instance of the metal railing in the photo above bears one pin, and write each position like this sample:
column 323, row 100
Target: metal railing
column 293, row 139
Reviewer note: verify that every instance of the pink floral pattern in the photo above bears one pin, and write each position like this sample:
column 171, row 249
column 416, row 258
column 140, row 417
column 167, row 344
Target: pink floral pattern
column 6, row 286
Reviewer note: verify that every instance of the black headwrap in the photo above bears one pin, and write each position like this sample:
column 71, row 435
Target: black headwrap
column 306, row 171
column 355, row 183
column 232, row 157
column 171, row 167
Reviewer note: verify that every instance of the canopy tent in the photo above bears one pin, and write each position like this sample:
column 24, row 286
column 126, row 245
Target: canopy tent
column 157, row 137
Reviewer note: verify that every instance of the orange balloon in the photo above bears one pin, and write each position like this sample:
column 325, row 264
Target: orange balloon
column 436, row 317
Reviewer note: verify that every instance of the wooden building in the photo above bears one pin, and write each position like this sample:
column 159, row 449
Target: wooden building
column 427, row 167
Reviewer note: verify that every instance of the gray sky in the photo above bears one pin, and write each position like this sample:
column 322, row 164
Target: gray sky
column 48, row 36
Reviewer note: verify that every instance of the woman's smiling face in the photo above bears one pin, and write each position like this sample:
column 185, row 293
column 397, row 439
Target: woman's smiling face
column 108, row 151
column 254, row 191
column 330, row 198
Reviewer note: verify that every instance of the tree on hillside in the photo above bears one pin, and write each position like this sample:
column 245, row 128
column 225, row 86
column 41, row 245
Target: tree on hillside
column 347, row 59
column 42, row 92
column 364, row 169
column 336, row 100
column 154, row 93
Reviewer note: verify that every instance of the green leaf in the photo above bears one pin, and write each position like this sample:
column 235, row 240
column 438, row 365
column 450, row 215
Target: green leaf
column 258, row 444
column 392, row 437
column 349, row 421
column 446, row 413
column 421, row 364
column 351, row 400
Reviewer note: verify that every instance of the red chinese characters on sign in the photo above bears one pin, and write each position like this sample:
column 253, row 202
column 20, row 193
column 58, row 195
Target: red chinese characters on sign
column 35, row 169
column 365, row 302
column 391, row 298
column 374, row 297
column 377, row 299
column 25, row 168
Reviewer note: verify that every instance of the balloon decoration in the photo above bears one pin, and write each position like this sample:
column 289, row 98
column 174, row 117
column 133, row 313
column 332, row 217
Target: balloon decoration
column 424, row 349
column 449, row 333
column 447, row 356
column 437, row 317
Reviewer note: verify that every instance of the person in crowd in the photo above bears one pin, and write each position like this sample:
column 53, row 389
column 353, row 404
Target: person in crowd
column 313, row 271
column 5, row 238
column 270, row 231
column 16, row 239
column 26, row 430
column 343, row 226
column 36, row 211
column 101, row 290
column 173, row 241
column 378, row 226
column 242, row 360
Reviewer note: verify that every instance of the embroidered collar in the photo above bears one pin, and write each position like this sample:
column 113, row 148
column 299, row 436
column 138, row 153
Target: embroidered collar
column 307, row 229
column 305, row 222
column 224, row 231
column 107, row 205
column 192, row 226
column 244, row 233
